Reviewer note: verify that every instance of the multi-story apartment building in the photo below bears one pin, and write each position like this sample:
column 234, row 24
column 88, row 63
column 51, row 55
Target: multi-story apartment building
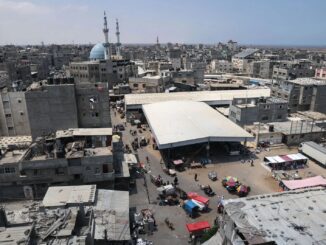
column 286, row 70
column 241, row 60
column 49, row 106
column 72, row 156
column 302, row 94
column 258, row 110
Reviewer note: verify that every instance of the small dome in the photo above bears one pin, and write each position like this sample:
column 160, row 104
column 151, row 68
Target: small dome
column 97, row 52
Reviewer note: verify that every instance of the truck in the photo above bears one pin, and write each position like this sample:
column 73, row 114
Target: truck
column 314, row 151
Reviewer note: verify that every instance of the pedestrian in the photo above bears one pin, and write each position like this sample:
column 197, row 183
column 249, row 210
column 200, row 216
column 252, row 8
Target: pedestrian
column 195, row 176
column 175, row 180
column 252, row 163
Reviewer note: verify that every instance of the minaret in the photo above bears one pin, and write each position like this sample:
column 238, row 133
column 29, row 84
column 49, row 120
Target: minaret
column 106, row 36
column 118, row 38
column 157, row 41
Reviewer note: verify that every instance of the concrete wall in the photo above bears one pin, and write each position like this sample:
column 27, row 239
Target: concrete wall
column 296, row 139
column 97, row 114
column 51, row 108
column 13, row 114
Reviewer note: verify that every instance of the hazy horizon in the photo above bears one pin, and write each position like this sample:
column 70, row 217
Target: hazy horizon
column 252, row 22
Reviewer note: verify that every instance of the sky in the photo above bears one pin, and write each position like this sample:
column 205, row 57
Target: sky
column 260, row 22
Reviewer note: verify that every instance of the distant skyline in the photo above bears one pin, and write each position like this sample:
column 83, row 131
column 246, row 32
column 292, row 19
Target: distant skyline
column 257, row 22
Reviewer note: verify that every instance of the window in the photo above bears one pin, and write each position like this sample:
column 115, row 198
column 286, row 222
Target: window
column 264, row 118
column 279, row 116
column 8, row 115
column 21, row 113
column 97, row 170
column 281, row 106
column 96, row 114
column 10, row 128
column 35, row 172
column 19, row 101
column 135, row 85
column 88, row 168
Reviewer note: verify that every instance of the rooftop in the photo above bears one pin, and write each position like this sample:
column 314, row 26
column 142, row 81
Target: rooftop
column 12, row 156
column 294, row 217
column 23, row 141
column 308, row 81
column 246, row 52
column 111, row 214
column 296, row 127
column 177, row 123
column 83, row 132
column 61, row 196
column 210, row 97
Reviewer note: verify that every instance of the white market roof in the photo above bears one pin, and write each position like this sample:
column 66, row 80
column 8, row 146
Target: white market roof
column 220, row 97
column 179, row 123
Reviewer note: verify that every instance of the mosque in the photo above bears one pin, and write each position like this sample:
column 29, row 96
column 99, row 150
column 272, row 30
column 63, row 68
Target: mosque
column 103, row 66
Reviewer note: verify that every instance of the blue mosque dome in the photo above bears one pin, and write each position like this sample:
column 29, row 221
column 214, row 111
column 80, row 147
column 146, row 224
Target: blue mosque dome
column 97, row 52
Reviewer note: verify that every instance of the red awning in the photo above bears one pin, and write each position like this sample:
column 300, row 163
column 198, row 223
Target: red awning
column 198, row 198
column 304, row 183
column 198, row 226
column 286, row 158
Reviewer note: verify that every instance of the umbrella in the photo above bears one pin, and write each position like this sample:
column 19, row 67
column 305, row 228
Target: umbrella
column 231, row 178
column 242, row 188
column 231, row 183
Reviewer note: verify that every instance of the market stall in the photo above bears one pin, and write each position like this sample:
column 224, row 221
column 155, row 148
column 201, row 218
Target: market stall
column 286, row 162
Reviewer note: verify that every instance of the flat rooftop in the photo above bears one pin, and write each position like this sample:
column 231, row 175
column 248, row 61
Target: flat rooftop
column 60, row 196
column 12, row 156
column 111, row 214
column 308, row 81
column 293, row 217
column 83, row 132
column 15, row 140
column 180, row 123
column 221, row 97
column 296, row 127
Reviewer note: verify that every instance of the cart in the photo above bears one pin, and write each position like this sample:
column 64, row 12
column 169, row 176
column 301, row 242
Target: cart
column 197, row 229
column 178, row 165
column 191, row 208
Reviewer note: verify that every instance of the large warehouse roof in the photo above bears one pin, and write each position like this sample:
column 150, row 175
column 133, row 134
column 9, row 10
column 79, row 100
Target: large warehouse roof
column 221, row 97
column 180, row 123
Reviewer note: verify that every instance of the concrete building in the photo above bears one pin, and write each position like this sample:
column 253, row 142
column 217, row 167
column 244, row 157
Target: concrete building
column 146, row 84
column 286, row 70
column 241, row 60
column 72, row 156
column 258, row 110
column 50, row 108
column 290, row 217
column 261, row 68
column 174, row 57
column 223, row 66
column 302, row 94
column 320, row 73
column 93, row 106
column 78, row 215
column 13, row 114
column 232, row 45
column 52, row 105
column 296, row 132
column 184, row 77
column 264, row 133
